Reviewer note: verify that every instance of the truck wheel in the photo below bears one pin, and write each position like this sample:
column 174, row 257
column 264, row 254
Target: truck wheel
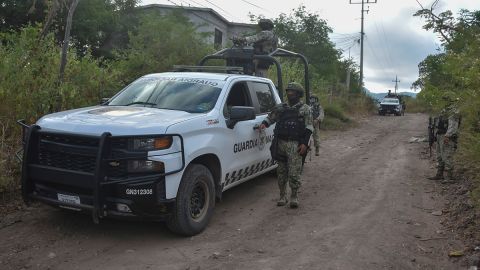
column 194, row 203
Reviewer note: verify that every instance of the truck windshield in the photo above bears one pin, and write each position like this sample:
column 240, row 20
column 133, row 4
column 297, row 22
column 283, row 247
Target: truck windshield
column 183, row 94
column 390, row 100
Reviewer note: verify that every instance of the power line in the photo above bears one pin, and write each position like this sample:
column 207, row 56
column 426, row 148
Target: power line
column 343, row 39
column 252, row 4
column 388, row 43
column 193, row 12
column 383, row 41
column 377, row 59
column 197, row 3
column 362, row 33
column 226, row 12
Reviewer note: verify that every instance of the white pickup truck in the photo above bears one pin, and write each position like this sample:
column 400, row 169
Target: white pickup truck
column 165, row 147
column 391, row 106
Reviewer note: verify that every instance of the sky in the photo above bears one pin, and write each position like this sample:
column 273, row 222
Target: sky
column 394, row 43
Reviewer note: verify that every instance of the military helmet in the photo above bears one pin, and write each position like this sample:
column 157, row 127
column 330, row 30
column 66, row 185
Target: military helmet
column 265, row 24
column 313, row 98
column 296, row 87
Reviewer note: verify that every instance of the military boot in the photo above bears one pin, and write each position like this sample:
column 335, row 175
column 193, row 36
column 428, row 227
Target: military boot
column 439, row 175
column 283, row 196
column 294, row 199
column 448, row 177
column 317, row 151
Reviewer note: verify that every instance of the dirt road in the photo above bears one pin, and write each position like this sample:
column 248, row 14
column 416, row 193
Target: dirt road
column 365, row 204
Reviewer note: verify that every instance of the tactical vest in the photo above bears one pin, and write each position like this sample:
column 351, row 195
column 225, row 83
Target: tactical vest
column 442, row 125
column 315, row 110
column 291, row 125
column 266, row 46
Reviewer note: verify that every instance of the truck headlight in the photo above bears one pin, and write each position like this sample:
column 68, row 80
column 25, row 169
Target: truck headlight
column 139, row 166
column 150, row 144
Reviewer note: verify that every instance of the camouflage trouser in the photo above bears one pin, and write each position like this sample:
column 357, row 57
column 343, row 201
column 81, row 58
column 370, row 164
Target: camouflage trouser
column 316, row 135
column 289, row 171
column 445, row 153
column 259, row 70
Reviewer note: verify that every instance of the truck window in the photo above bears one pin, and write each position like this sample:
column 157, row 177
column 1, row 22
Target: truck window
column 238, row 96
column 264, row 95
column 183, row 94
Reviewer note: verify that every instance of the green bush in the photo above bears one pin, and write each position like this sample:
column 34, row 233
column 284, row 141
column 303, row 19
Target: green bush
column 336, row 112
column 159, row 43
column 29, row 88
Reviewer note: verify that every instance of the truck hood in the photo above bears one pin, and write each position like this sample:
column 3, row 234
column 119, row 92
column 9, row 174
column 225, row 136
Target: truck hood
column 118, row 120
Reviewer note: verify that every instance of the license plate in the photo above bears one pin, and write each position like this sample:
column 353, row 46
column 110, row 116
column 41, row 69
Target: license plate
column 68, row 198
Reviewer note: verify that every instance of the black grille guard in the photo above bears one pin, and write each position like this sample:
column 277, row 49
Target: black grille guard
column 30, row 136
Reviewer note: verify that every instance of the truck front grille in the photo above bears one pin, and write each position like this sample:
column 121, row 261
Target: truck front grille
column 69, row 152
column 78, row 153
column 66, row 161
column 388, row 107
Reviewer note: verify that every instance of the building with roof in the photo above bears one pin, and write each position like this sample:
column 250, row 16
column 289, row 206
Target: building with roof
column 209, row 21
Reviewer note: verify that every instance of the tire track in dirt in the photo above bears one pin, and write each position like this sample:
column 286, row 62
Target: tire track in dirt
column 364, row 204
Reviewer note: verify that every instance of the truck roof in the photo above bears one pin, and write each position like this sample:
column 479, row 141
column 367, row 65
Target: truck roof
column 203, row 75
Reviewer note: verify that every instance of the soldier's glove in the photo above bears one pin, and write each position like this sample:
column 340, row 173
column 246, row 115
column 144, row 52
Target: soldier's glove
column 302, row 149
column 264, row 124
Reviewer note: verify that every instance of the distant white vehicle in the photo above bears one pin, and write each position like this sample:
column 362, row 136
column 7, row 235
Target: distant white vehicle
column 390, row 106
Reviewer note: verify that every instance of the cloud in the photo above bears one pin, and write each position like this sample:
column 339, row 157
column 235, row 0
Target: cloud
column 395, row 48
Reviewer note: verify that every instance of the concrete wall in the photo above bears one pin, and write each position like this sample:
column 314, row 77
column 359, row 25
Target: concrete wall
column 207, row 20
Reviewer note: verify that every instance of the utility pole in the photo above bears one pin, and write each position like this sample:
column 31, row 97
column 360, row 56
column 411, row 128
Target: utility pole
column 396, row 84
column 362, row 33
column 347, row 81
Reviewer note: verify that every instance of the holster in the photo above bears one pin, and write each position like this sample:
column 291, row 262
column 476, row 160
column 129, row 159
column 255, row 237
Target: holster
column 275, row 151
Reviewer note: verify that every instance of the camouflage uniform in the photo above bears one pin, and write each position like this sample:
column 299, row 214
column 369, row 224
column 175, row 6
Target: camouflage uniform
column 318, row 115
column 290, row 169
column 264, row 42
column 447, row 125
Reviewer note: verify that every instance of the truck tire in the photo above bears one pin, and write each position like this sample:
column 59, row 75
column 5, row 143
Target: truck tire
column 195, row 201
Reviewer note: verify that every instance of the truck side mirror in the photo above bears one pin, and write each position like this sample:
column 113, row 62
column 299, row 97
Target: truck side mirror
column 240, row 113
column 103, row 101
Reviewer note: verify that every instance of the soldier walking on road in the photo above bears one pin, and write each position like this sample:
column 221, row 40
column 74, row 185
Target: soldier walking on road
column 291, row 135
column 264, row 42
column 317, row 115
column 446, row 126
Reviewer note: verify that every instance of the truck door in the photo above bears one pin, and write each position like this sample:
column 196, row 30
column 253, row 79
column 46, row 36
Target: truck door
column 240, row 155
column 263, row 101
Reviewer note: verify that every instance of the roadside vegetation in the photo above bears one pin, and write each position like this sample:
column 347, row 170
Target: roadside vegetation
column 113, row 42
column 454, row 73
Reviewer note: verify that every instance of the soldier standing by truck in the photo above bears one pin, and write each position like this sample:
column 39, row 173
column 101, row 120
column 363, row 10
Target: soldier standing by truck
column 291, row 135
column 446, row 126
column 317, row 115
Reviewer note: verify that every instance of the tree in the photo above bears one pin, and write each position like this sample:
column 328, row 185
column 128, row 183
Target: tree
column 174, row 41
column 306, row 32
column 15, row 14
column 66, row 40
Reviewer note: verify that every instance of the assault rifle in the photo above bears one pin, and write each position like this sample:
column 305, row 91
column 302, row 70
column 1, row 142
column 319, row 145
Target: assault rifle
column 431, row 133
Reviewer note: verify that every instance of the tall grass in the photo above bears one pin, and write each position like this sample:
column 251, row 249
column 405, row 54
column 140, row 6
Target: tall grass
column 29, row 88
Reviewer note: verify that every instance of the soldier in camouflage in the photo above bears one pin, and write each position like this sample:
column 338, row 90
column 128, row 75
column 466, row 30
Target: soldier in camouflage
column 318, row 115
column 264, row 42
column 291, row 135
column 446, row 126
